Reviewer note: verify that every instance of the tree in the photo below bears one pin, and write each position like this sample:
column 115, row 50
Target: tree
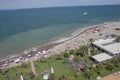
column 52, row 77
column 76, row 59
column 83, row 50
column 88, row 74
column 71, row 51
column 98, row 69
column 79, row 53
column 66, row 55
column 24, row 65
column 109, row 66
column 59, row 57
column 91, row 40
column 117, row 39
column 94, row 50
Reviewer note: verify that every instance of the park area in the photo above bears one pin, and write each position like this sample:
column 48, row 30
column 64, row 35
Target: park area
column 75, row 64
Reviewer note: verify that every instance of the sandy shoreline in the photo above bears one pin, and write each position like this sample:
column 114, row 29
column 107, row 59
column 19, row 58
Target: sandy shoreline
column 80, row 37
column 85, row 34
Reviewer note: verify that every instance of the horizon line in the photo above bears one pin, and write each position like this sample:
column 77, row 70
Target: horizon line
column 60, row 7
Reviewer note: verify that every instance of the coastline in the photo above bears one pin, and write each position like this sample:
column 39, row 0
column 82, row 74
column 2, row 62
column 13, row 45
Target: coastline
column 82, row 34
column 76, row 39
column 79, row 31
column 45, row 46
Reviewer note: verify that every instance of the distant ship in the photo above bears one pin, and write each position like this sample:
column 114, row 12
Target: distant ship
column 85, row 13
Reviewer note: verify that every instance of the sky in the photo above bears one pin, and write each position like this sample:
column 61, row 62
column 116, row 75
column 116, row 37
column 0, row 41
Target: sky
column 21, row 4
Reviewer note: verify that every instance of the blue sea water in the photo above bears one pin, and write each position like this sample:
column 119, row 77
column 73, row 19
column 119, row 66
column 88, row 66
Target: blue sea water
column 25, row 28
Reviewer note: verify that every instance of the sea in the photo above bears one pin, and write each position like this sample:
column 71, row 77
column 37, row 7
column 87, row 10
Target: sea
column 26, row 28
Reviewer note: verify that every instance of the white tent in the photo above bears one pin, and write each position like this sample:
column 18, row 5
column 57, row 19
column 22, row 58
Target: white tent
column 40, row 52
column 17, row 60
column 44, row 52
column 21, row 77
column 52, row 70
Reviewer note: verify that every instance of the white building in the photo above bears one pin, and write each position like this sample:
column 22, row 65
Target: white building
column 108, row 45
column 101, row 57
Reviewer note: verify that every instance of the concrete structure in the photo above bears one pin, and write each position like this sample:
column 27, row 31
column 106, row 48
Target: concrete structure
column 45, row 77
column 101, row 57
column 52, row 70
column 108, row 46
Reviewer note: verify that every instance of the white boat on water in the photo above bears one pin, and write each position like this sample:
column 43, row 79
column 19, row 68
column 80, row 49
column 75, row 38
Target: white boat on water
column 85, row 13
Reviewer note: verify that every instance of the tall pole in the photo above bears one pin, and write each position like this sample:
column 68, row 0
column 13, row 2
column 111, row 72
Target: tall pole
column 89, row 53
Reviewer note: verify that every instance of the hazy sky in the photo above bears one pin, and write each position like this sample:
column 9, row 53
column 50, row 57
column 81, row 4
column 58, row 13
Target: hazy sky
column 18, row 4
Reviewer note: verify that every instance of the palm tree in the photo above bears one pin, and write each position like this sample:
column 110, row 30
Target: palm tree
column 24, row 65
column 59, row 57
column 52, row 77
column 88, row 74
column 66, row 55
column 109, row 66
column 98, row 69
column 91, row 40
column 71, row 51
column 76, row 59
column 117, row 39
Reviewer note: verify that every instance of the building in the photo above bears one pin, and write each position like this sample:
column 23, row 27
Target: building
column 108, row 45
column 101, row 57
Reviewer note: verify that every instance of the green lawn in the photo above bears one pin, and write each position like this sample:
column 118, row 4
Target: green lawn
column 60, row 68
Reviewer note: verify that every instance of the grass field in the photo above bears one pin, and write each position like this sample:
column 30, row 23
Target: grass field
column 61, row 68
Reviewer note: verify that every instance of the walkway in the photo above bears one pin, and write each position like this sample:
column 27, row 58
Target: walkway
column 114, row 76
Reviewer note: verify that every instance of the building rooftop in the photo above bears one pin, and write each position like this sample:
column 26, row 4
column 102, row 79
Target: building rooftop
column 101, row 57
column 109, row 45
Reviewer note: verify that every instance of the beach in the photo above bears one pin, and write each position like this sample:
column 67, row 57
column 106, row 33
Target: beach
column 77, row 38
column 82, row 38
